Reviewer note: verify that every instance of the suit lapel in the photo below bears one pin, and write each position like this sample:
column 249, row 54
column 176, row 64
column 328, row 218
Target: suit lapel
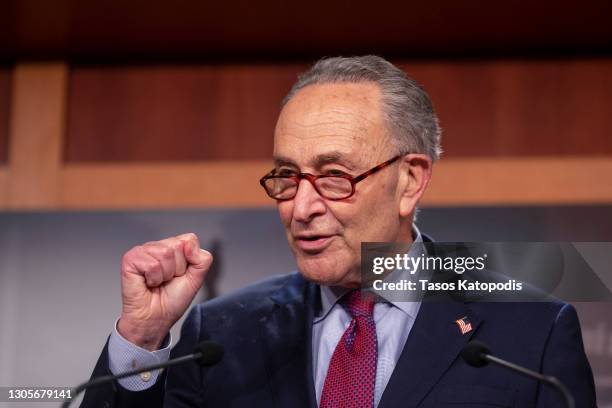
column 434, row 343
column 287, row 335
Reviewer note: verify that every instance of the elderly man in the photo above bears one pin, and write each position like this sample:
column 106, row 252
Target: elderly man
column 353, row 152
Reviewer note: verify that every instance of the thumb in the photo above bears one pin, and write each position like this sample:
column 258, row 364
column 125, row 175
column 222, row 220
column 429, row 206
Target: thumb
column 199, row 260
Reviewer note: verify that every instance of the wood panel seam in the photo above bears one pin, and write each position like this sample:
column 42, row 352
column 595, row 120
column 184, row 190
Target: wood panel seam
column 455, row 182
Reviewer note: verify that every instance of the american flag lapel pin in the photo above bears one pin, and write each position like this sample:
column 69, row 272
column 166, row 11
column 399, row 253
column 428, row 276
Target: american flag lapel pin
column 464, row 325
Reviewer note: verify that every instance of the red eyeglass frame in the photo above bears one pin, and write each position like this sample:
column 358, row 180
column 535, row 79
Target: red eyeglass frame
column 311, row 178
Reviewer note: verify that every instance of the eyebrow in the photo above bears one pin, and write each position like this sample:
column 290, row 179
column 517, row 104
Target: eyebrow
column 334, row 157
column 283, row 161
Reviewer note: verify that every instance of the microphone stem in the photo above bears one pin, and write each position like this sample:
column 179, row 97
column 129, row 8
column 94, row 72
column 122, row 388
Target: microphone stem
column 553, row 381
column 169, row 363
column 108, row 378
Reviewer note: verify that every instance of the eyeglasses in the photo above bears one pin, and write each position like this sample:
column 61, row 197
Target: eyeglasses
column 331, row 187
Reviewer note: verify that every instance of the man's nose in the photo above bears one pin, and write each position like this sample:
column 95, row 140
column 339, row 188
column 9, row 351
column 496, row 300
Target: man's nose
column 307, row 202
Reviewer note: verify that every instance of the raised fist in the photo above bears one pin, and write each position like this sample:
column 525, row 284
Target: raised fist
column 158, row 282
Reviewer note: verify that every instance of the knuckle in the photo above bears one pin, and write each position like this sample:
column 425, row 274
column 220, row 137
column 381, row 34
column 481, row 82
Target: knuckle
column 155, row 266
column 132, row 251
column 149, row 267
column 190, row 236
column 172, row 243
column 152, row 275
column 167, row 252
column 128, row 258
column 125, row 260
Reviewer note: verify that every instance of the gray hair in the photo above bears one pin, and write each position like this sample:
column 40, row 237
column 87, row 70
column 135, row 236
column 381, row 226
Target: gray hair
column 409, row 113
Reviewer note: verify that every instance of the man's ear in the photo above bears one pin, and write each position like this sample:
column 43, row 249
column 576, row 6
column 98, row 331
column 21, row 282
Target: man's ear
column 415, row 174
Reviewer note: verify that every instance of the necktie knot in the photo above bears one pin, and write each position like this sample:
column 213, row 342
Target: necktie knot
column 359, row 303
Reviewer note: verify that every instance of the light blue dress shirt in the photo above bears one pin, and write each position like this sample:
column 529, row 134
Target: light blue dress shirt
column 394, row 320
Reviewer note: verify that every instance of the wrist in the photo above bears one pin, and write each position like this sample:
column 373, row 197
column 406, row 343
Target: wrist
column 147, row 337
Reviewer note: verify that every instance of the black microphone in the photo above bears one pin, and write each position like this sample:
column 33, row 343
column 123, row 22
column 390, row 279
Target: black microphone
column 207, row 353
column 477, row 354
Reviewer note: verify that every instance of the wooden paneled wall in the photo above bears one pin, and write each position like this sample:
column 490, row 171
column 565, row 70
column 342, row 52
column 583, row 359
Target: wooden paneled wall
column 174, row 113
column 487, row 108
column 524, row 108
column 99, row 137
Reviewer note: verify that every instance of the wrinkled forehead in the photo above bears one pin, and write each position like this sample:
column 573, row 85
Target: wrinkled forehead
column 323, row 122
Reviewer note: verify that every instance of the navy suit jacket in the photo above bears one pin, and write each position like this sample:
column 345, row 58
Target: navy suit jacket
column 265, row 330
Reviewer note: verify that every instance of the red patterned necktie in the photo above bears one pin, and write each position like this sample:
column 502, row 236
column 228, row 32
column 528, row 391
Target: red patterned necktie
column 351, row 375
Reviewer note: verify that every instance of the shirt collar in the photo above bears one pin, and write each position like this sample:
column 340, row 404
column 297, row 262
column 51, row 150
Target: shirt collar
column 330, row 295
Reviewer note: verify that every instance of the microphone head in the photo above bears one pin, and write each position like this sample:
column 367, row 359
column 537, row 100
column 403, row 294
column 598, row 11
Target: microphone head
column 474, row 353
column 212, row 353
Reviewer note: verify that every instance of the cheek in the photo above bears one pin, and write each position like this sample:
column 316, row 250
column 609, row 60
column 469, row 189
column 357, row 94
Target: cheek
column 374, row 220
column 350, row 220
column 285, row 209
column 358, row 230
